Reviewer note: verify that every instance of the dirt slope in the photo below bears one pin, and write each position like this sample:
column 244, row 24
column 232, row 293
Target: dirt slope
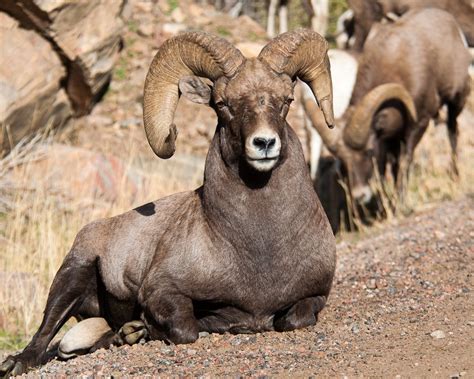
column 394, row 288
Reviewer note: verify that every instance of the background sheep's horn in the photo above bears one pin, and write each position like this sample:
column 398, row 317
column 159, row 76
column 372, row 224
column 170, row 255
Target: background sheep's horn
column 303, row 54
column 194, row 53
column 357, row 131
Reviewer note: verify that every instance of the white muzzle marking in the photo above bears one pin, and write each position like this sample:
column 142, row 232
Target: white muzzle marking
column 262, row 150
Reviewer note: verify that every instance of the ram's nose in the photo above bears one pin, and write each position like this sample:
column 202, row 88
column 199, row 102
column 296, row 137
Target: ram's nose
column 262, row 149
column 264, row 143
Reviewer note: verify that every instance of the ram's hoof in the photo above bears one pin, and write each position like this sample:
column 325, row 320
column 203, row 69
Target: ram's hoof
column 12, row 367
column 82, row 337
column 133, row 331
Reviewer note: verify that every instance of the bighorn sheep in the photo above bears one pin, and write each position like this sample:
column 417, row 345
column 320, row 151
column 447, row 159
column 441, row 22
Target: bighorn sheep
column 251, row 250
column 367, row 12
column 407, row 72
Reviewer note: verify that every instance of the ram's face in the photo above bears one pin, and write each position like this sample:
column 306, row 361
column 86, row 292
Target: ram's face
column 360, row 170
column 252, row 109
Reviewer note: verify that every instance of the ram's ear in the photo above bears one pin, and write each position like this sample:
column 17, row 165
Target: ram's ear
column 195, row 89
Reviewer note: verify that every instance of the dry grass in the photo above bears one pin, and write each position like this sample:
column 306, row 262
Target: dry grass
column 40, row 219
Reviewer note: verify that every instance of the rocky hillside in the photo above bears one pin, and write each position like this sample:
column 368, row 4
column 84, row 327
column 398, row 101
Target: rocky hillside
column 56, row 62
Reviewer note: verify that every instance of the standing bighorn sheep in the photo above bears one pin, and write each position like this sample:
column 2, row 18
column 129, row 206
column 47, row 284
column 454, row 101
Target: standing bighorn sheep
column 368, row 12
column 407, row 72
column 251, row 250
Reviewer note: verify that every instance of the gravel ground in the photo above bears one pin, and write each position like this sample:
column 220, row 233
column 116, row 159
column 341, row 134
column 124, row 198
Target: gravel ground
column 401, row 305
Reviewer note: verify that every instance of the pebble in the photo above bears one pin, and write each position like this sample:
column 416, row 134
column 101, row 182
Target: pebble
column 372, row 284
column 146, row 29
column 438, row 334
column 439, row 234
column 355, row 328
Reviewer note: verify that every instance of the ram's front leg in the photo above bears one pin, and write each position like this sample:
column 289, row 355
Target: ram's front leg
column 170, row 317
column 301, row 315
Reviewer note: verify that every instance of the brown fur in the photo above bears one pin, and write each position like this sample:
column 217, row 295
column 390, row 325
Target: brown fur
column 368, row 12
column 248, row 251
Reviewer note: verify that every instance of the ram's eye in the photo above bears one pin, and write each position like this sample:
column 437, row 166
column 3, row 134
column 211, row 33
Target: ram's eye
column 289, row 100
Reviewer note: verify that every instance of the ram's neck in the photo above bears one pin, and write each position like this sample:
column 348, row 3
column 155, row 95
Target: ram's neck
column 256, row 218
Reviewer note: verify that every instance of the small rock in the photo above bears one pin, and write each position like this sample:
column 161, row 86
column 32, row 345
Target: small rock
column 470, row 323
column 172, row 29
column 145, row 29
column 203, row 334
column 438, row 334
column 439, row 234
column 191, row 351
column 372, row 284
column 355, row 328
column 236, row 341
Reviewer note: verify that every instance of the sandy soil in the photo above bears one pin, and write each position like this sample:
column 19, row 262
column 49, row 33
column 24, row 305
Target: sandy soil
column 401, row 304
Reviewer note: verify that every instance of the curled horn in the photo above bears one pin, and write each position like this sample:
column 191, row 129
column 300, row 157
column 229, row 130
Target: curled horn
column 330, row 138
column 357, row 131
column 303, row 54
column 193, row 53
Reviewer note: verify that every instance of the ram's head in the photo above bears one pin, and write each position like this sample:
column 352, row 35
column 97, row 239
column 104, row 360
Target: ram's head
column 250, row 96
column 382, row 114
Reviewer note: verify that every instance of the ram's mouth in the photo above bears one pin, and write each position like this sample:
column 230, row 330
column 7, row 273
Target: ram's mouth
column 263, row 159
column 263, row 164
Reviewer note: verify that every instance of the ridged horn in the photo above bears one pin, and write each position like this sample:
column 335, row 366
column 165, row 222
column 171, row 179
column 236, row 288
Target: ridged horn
column 193, row 53
column 330, row 137
column 357, row 131
column 303, row 54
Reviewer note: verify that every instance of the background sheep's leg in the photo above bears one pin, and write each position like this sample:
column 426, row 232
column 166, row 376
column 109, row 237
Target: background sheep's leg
column 454, row 109
column 171, row 317
column 319, row 21
column 67, row 293
column 302, row 314
column 272, row 8
column 406, row 157
column 283, row 16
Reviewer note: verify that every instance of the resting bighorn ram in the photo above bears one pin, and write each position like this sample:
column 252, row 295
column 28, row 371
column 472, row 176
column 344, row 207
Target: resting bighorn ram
column 251, row 250
column 407, row 72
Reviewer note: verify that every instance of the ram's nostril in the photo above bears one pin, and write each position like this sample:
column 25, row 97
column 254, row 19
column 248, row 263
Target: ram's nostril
column 260, row 142
column 264, row 143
